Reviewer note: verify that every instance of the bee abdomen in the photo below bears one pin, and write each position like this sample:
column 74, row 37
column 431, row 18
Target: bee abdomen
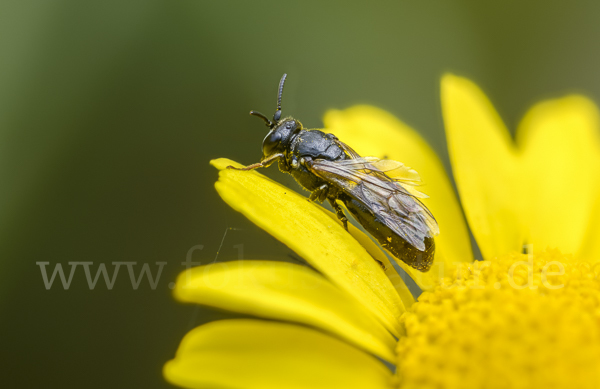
column 400, row 248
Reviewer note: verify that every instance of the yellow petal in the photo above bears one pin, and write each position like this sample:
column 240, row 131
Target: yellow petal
column 285, row 291
column 374, row 132
column 561, row 156
column 262, row 355
column 308, row 231
column 485, row 165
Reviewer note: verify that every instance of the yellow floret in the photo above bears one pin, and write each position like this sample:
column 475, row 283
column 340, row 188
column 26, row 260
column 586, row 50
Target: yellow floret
column 520, row 321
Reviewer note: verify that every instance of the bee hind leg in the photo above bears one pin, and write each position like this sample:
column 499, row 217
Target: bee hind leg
column 339, row 212
column 319, row 194
column 381, row 264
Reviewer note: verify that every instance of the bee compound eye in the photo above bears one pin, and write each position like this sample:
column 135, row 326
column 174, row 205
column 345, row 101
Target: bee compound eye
column 271, row 142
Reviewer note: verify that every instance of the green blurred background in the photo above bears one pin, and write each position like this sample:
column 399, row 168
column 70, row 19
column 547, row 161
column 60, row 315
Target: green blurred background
column 110, row 112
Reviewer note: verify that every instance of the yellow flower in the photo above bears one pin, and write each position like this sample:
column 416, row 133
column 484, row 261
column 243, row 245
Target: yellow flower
column 510, row 321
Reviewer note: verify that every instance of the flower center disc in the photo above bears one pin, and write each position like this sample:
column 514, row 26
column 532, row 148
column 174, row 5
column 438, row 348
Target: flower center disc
column 520, row 321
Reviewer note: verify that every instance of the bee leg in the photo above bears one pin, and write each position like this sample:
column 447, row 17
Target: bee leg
column 264, row 163
column 381, row 264
column 324, row 193
column 319, row 194
column 339, row 212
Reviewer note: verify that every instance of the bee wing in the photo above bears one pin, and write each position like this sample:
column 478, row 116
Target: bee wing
column 347, row 149
column 385, row 197
column 395, row 170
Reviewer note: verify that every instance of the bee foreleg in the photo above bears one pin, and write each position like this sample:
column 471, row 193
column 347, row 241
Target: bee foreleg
column 339, row 212
column 264, row 163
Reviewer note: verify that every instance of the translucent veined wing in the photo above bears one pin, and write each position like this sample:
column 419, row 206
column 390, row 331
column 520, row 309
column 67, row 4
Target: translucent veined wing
column 397, row 171
column 347, row 149
column 362, row 179
column 393, row 169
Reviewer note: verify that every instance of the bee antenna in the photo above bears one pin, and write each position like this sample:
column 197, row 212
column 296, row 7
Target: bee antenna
column 263, row 117
column 277, row 115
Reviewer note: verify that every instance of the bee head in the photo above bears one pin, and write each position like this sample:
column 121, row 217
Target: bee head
column 277, row 139
column 281, row 129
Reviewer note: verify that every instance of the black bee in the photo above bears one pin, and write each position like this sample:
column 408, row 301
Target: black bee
column 388, row 208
